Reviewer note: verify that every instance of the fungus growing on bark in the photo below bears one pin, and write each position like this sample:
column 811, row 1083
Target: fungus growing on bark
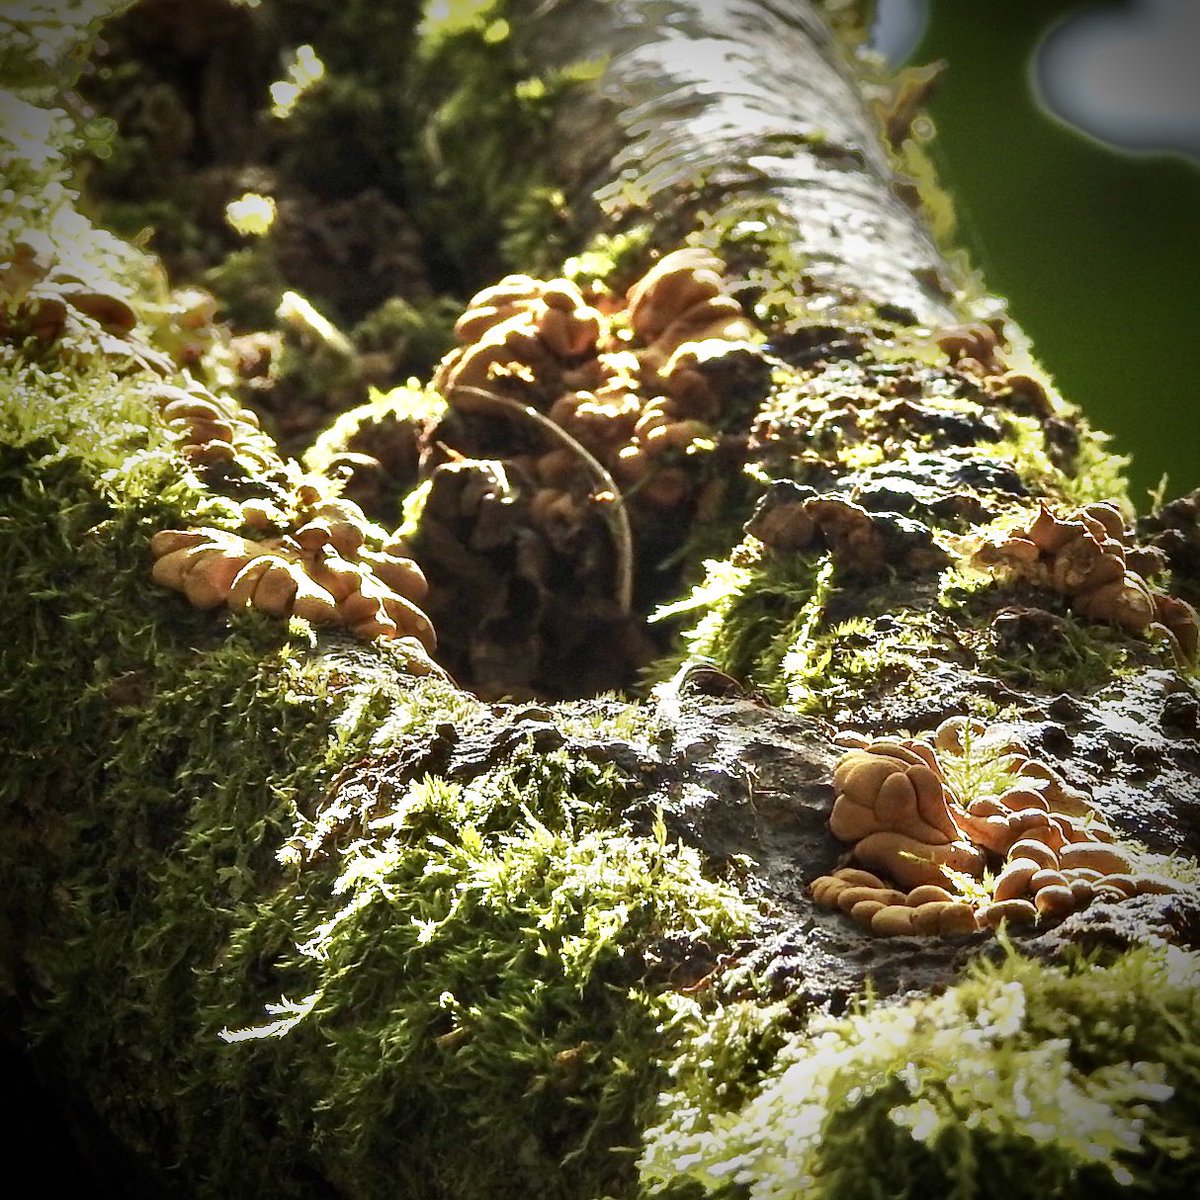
column 681, row 299
column 212, row 430
column 40, row 299
column 322, row 570
column 1049, row 853
column 1025, row 394
column 793, row 517
column 974, row 348
column 640, row 388
column 520, row 325
column 1086, row 557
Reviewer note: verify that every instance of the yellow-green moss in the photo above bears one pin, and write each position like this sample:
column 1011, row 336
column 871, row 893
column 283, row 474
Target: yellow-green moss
column 1022, row 1080
column 749, row 610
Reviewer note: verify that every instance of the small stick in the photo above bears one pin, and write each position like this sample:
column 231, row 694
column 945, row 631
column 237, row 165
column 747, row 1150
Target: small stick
column 616, row 517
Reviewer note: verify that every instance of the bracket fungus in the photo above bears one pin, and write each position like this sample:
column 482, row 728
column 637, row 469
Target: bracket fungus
column 793, row 517
column 682, row 299
column 520, row 323
column 1086, row 556
column 212, row 430
column 323, row 570
column 43, row 300
column 638, row 386
column 929, row 859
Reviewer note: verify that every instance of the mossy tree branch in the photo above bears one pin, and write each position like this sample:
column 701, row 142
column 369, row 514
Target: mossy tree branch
column 289, row 920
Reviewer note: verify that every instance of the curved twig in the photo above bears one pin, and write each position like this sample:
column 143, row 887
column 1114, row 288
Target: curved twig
column 616, row 517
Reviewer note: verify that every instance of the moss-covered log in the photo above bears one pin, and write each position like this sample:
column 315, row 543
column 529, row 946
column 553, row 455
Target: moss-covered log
column 292, row 911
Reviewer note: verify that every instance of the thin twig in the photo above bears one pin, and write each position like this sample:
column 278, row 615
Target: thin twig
column 615, row 515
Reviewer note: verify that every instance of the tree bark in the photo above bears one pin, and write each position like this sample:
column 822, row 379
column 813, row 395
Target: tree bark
column 285, row 916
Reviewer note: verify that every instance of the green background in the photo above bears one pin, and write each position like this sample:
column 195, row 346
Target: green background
column 1098, row 252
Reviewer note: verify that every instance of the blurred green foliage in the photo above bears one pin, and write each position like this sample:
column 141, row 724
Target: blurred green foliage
column 1096, row 251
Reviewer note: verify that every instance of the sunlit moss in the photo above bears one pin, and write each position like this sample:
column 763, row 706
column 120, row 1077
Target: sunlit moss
column 855, row 659
column 1022, row 1080
column 1097, row 473
column 749, row 609
column 469, row 960
column 609, row 257
column 1094, row 474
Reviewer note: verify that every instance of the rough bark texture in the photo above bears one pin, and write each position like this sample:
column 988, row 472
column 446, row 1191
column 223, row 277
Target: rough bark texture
column 704, row 108
column 288, row 914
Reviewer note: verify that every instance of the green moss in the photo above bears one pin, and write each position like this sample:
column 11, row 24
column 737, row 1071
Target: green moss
column 1024, row 446
column 1082, row 657
column 249, row 284
column 1023, row 1079
column 414, row 336
column 485, row 110
column 519, row 1021
column 750, row 609
column 611, row 259
column 464, row 961
column 764, row 617
column 1063, row 653
column 759, row 245
column 1094, row 474
column 832, row 671
column 1097, row 473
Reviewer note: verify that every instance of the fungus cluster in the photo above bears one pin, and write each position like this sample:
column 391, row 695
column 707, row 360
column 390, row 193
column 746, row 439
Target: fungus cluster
column 1086, row 557
column 1032, row 847
column 975, row 348
column 211, row 431
column 631, row 383
column 793, row 517
column 40, row 298
column 324, row 570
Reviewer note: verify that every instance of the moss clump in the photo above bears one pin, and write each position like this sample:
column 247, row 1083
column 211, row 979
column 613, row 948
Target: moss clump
column 750, row 609
column 1046, row 649
column 486, row 110
column 476, row 960
column 1097, row 474
column 483, row 978
column 612, row 260
column 153, row 757
column 830, row 672
column 772, row 619
column 250, row 284
column 413, row 336
column 1022, row 1080
column 1093, row 473
column 1082, row 657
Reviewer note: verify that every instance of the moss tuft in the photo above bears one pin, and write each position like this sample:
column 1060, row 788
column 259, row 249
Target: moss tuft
column 1023, row 1079
column 494, row 963
column 750, row 610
